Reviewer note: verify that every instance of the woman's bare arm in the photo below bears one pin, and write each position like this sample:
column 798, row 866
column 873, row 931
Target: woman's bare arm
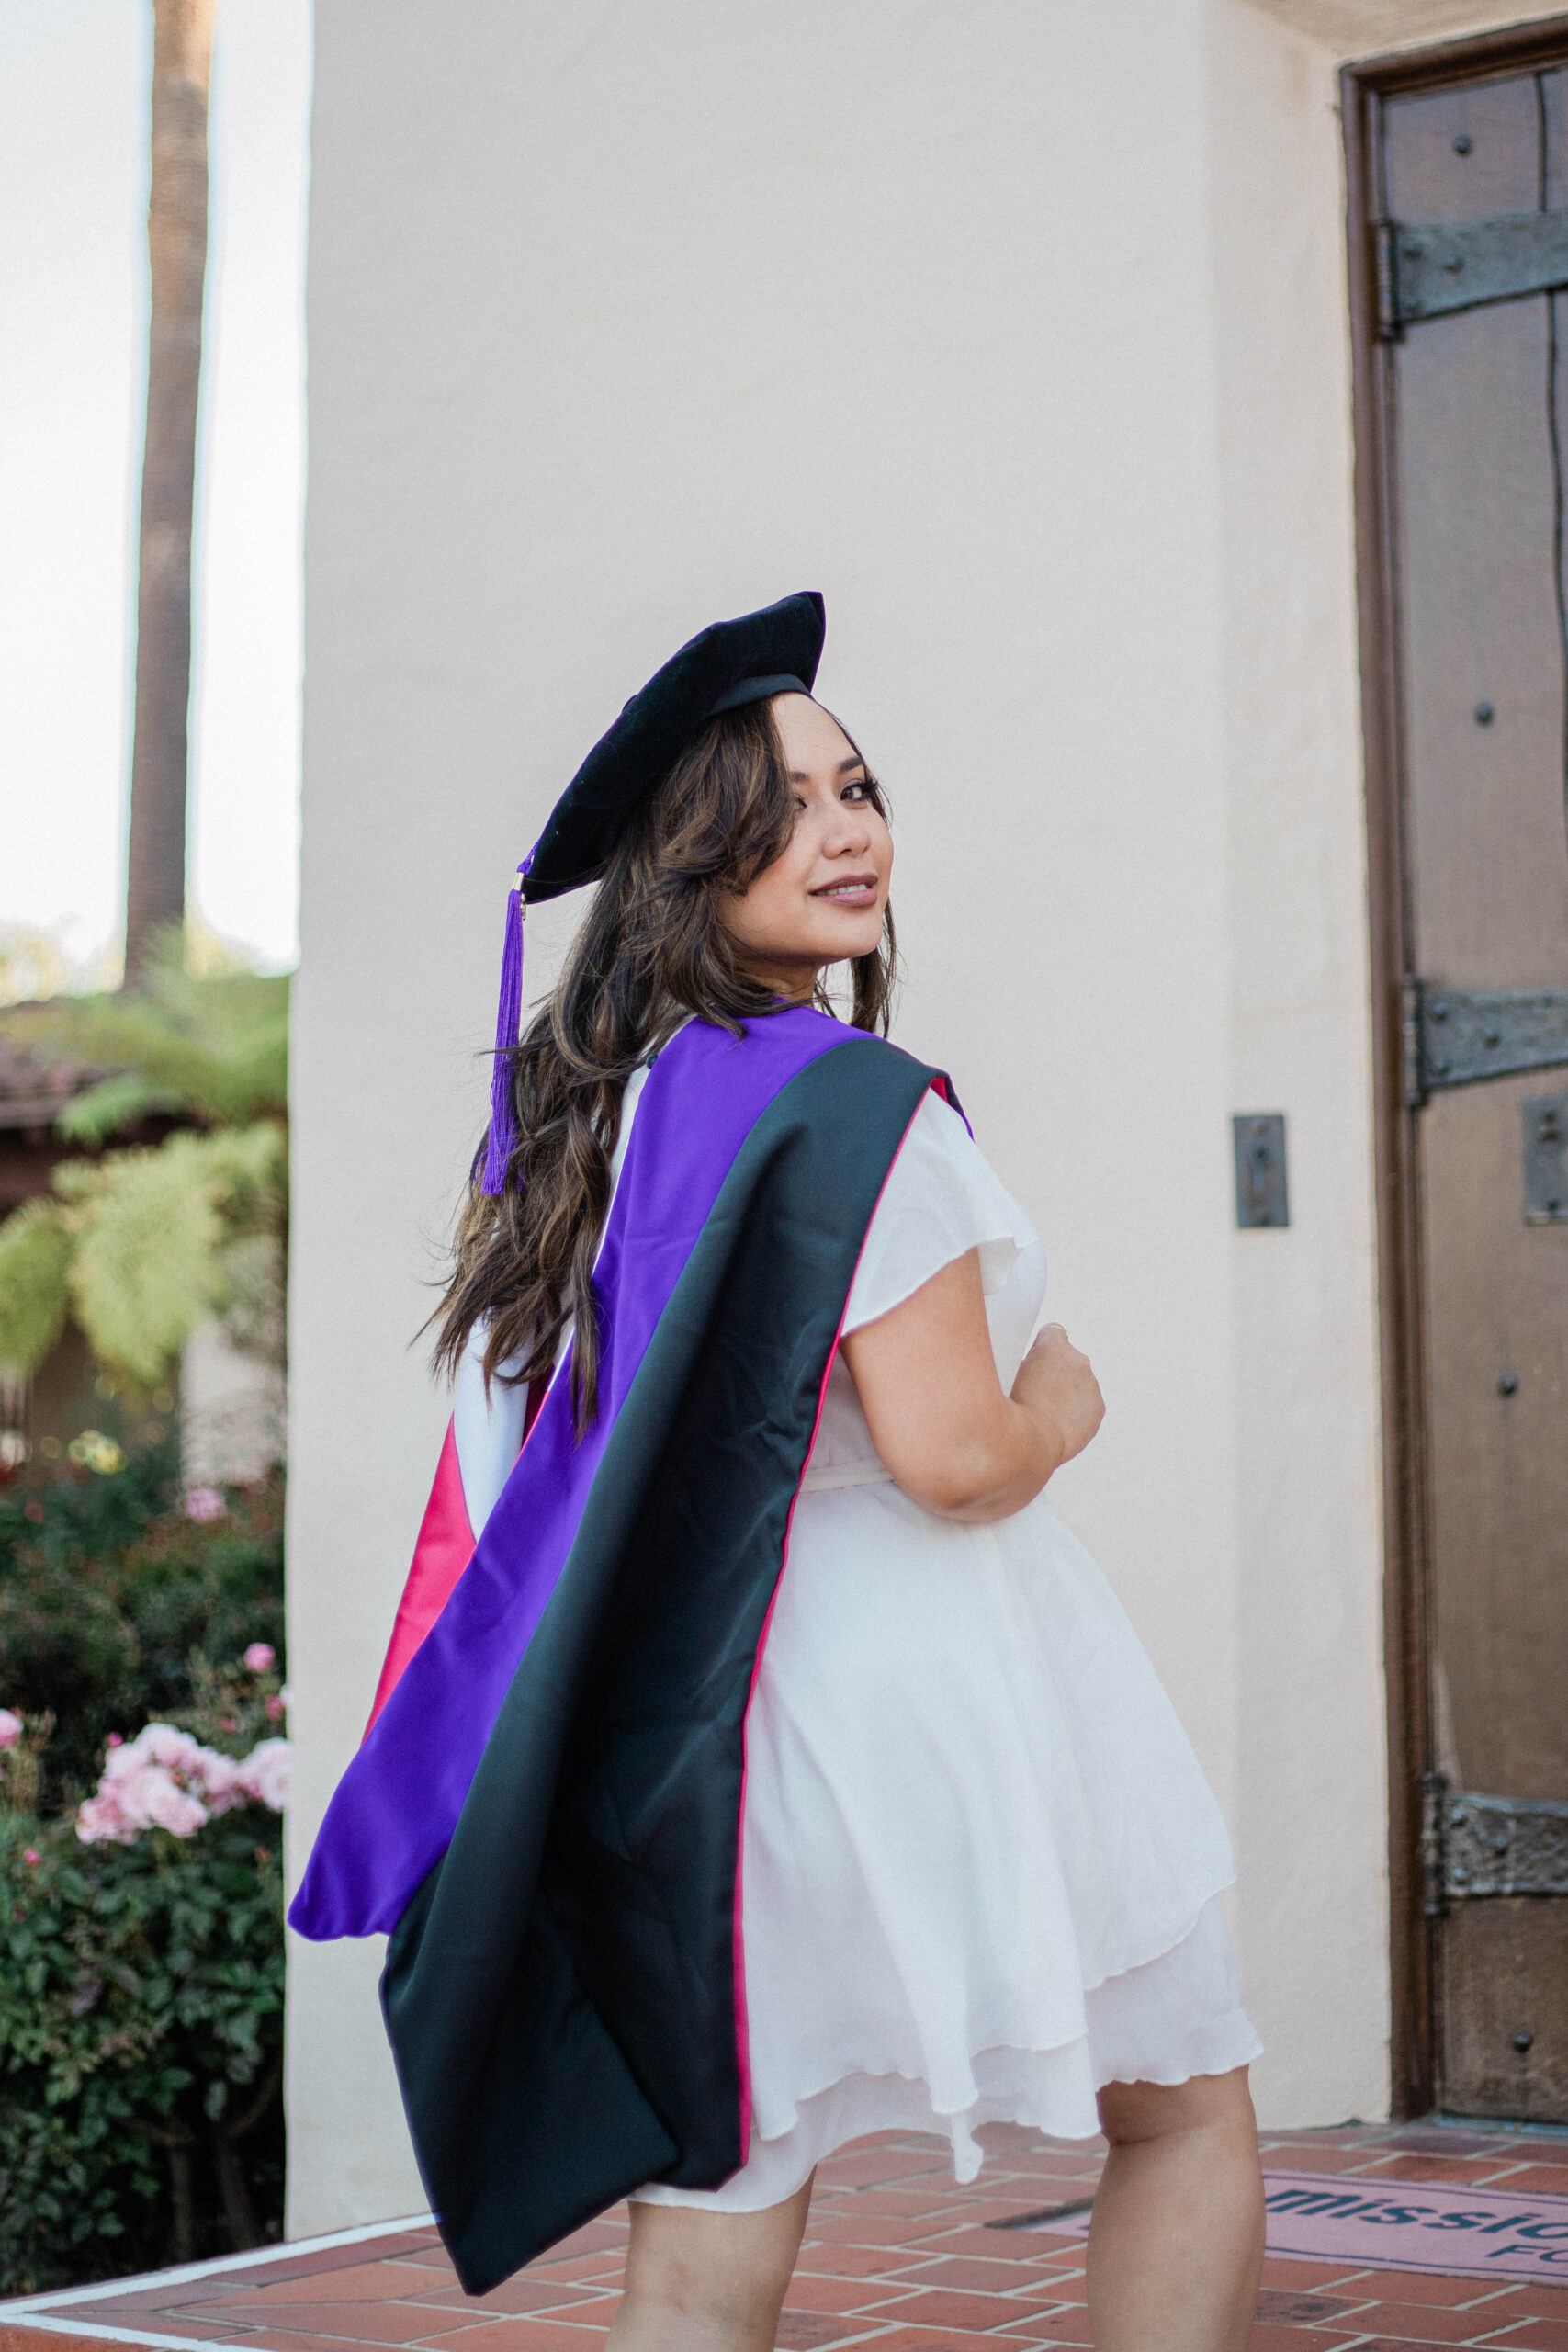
column 928, row 1389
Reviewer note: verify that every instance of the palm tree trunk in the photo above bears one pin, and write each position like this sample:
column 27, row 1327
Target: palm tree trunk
column 176, row 238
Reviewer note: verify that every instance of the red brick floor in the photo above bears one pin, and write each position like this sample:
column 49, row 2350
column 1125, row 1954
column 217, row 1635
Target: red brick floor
column 896, row 2256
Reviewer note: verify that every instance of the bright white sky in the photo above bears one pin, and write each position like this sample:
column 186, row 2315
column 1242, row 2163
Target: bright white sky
column 73, row 98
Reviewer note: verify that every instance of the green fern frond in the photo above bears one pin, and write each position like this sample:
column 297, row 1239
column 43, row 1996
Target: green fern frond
column 151, row 1230
column 214, row 1044
column 145, row 1268
column 35, row 1258
column 115, row 1102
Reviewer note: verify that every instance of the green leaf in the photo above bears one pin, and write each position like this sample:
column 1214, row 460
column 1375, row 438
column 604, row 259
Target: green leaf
column 151, row 1228
column 145, row 1269
column 35, row 1258
column 115, row 1102
column 212, row 1043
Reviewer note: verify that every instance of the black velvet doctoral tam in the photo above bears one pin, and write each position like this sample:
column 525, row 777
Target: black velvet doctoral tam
column 770, row 652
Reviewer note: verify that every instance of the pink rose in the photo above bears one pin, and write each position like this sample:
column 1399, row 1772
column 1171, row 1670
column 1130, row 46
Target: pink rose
column 162, row 1744
column 166, row 1780
column 260, row 1656
column 31, row 1856
column 156, row 1801
column 265, row 1774
column 275, row 1707
column 205, row 1502
column 11, row 1728
column 100, row 1822
column 221, row 1781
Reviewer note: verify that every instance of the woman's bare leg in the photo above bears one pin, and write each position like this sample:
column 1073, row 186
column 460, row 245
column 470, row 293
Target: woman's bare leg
column 708, row 2282
column 1175, row 2244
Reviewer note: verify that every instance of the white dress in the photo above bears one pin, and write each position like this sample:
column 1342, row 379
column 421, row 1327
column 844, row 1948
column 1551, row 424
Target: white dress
column 979, row 1859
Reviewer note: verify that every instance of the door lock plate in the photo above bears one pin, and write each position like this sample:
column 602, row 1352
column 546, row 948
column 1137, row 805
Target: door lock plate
column 1262, row 1196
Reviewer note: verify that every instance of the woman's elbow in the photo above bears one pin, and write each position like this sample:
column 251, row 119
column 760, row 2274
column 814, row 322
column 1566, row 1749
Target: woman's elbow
column 972, row 1484
column 945, row 1492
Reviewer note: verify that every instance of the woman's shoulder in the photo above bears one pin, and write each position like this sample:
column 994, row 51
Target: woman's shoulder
column 941, row 1159
column 941, row 1199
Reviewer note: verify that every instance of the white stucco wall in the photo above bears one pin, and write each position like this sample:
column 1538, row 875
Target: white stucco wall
column 1309, row 1808
column 1020, row 332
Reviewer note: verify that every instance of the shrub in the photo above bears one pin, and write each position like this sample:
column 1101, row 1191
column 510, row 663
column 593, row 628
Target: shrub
column 142, row 1245
column 114, row 1601
column 141, row 2047
column 140, row 1965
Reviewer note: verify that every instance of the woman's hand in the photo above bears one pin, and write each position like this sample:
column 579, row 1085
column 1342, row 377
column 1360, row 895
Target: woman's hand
column 1056, row 1383
column 928, row 1389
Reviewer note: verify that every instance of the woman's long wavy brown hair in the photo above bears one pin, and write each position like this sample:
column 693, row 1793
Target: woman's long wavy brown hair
column 652, row 949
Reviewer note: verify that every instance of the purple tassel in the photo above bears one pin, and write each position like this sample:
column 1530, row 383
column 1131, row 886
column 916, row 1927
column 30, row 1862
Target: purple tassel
column 502, row 1141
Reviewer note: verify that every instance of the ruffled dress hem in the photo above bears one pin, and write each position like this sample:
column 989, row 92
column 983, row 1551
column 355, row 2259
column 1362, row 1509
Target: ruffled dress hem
column 1175, row 2017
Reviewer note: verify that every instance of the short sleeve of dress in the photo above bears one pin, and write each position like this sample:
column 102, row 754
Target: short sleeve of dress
column 941, row 1200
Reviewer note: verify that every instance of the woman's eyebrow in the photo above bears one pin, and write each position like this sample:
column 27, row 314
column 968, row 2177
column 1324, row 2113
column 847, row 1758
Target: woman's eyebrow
column 803, row 775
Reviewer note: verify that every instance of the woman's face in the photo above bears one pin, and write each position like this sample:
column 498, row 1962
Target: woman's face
column 824, row 898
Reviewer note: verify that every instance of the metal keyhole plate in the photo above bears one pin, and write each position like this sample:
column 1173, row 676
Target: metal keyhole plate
column 1261, row 1195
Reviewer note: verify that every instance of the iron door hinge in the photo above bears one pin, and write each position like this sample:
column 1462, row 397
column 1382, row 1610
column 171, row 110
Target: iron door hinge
column 1545, row 1121
column 1460, row 1037
column 1427, row 268
column 1480, row 1849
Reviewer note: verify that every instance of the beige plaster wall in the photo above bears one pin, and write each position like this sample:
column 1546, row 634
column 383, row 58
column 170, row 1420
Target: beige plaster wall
column 1020, row 332
column 1310, row 1809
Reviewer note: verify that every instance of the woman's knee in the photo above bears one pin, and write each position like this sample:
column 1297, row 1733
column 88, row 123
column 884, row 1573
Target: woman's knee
column 728, row 2270
column 1131, row 2113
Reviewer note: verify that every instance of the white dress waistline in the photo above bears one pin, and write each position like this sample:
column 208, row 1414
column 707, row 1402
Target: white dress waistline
column 867, row 1471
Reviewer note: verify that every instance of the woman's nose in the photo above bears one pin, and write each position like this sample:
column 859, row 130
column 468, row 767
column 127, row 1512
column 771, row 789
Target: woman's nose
column 848, row 833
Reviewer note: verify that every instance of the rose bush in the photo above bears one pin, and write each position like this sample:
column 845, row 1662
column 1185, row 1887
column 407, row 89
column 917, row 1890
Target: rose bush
column 141, row 2046
column 166, row 1779
column 114, row 1601
column 140, row 1881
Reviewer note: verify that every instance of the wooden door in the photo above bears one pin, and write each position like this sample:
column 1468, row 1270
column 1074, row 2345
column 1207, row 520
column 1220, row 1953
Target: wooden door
column 1469, row 191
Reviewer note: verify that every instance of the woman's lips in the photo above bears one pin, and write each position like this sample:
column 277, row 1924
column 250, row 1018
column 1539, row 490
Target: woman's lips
column 854, row 890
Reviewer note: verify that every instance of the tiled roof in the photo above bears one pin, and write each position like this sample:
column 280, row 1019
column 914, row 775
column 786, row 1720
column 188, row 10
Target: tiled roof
column 35, row 1086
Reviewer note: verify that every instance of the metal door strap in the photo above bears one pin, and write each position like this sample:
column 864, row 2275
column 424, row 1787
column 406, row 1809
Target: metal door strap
column 1477, row 1846
column 1458, row 1036
column 1429, row 267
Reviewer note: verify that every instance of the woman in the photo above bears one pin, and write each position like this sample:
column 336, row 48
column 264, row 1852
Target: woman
column 774, row 1767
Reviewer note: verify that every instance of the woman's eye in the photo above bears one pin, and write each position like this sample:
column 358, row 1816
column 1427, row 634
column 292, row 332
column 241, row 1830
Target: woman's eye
column 853, row 791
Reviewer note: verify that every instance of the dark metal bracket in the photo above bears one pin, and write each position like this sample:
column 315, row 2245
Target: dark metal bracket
column 1460, row 1037
column 1431, row 268
column 1477, row 1848
column 1262, row 1196
column 1545, row 1119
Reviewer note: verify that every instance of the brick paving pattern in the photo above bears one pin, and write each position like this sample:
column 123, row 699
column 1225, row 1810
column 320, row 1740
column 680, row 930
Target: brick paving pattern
column 895, row 2258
